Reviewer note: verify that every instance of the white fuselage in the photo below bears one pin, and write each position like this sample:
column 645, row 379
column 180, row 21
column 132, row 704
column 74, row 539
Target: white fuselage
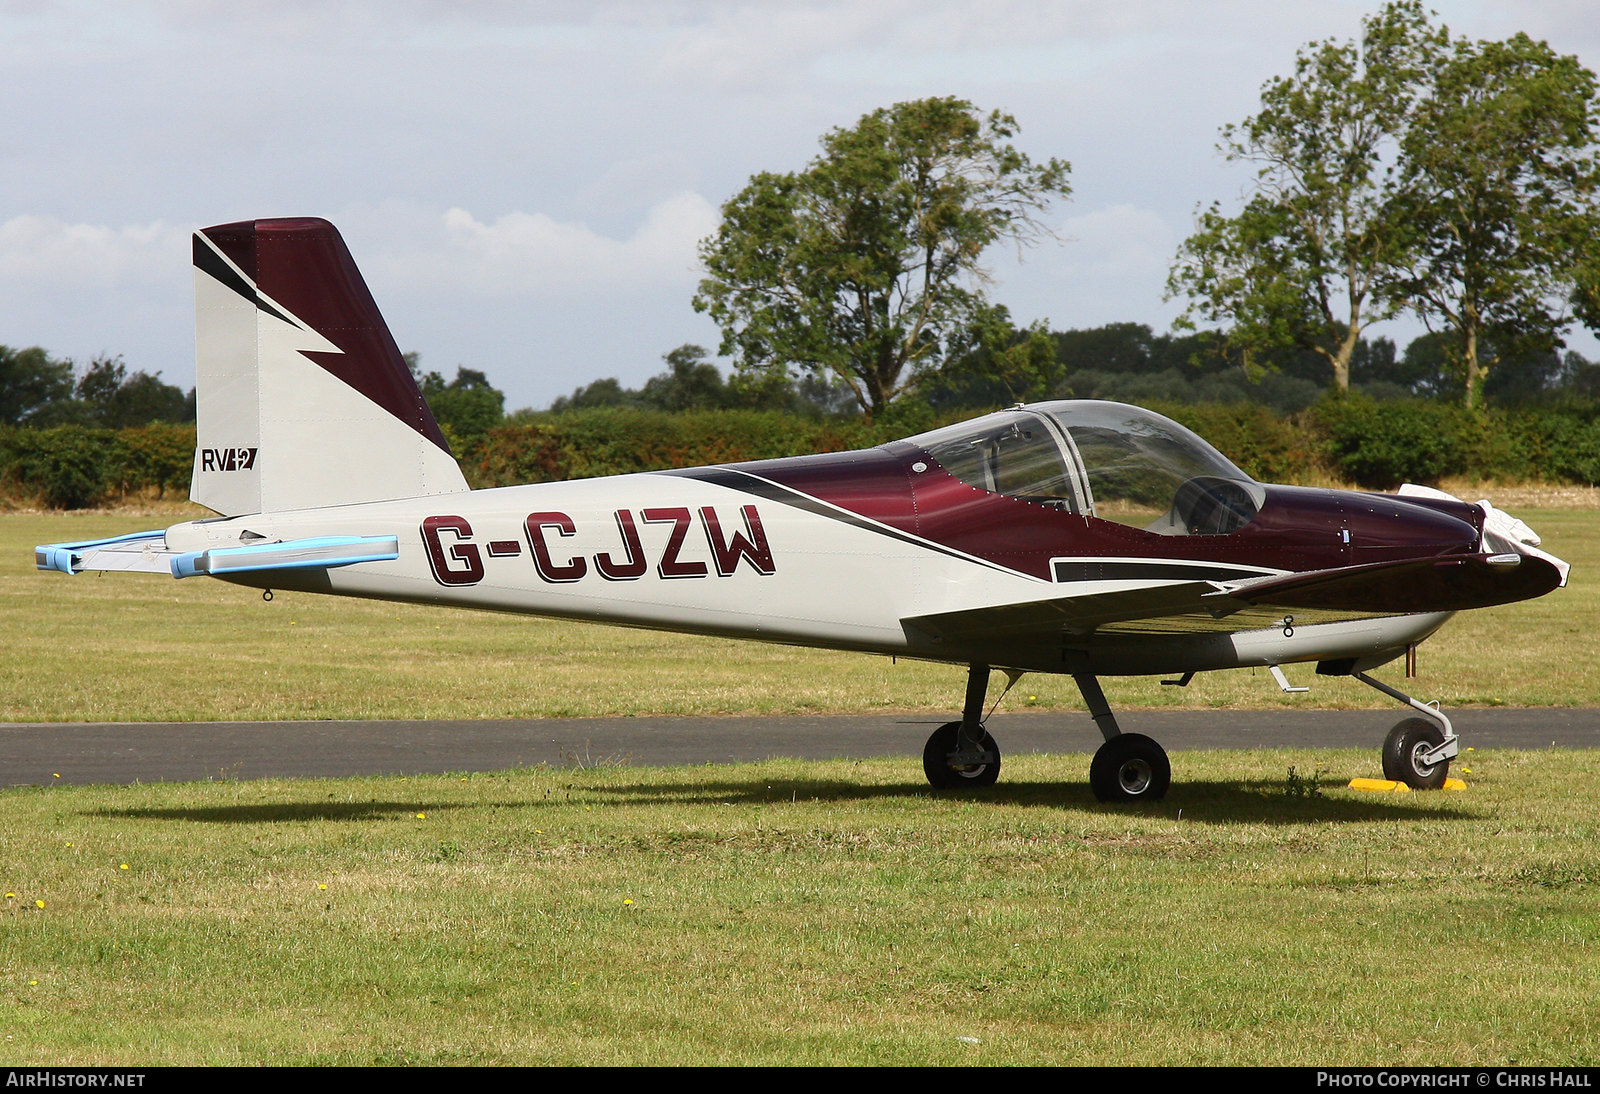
column 676, row 553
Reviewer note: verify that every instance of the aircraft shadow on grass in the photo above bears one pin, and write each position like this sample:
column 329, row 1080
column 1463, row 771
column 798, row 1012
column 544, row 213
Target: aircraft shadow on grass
column 1216, row 802
column 280, row 812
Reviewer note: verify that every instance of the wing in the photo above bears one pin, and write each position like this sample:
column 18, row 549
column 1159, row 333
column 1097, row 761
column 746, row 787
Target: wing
column 1371, row 590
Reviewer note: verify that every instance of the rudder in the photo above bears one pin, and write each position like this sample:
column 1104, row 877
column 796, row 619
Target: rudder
column 303, row 398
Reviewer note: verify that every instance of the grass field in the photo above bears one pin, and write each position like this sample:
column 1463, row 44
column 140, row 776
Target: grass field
column 141, row 647
column 790, row 913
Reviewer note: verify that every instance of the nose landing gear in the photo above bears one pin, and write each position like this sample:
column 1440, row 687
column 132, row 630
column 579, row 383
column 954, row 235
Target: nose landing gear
column 1417, row 751
column 1406, row 752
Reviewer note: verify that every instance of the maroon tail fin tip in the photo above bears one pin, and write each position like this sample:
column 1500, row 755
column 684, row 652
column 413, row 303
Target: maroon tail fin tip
column 301, row 264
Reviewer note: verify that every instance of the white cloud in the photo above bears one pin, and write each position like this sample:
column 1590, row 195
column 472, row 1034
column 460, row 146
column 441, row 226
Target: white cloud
column 1117, row 241
column 39, row 249
column 536, row 253
column 740, row 46
column 1110, row 266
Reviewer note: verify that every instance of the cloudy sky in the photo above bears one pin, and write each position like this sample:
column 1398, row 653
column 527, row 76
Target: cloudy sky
column 524, row 184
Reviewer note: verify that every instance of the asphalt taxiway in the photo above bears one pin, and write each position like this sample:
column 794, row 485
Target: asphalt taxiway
column 47, row 753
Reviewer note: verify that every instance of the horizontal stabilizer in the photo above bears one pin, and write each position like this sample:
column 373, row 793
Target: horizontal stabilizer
column 137, row 552
column 147, row 552
column 296, row 554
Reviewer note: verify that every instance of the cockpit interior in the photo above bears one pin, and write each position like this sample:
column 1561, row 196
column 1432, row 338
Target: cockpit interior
column 1107, row 460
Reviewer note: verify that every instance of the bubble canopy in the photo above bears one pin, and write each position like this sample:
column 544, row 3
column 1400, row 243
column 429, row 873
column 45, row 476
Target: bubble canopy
column 1108, row 460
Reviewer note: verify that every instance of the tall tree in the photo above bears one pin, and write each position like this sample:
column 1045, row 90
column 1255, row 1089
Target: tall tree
column 1311, row 258
column 691, row 382
column 993, row 363
column 31, row 383
column 865, row 265
column 1501, row 202
column 110, row 396
column 467, row 406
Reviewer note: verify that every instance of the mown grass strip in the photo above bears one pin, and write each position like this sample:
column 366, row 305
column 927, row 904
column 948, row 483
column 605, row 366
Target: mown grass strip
column 807, row 913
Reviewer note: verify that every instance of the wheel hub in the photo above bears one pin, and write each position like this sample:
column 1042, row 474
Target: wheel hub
column 1419, row 758
column 1134, row 776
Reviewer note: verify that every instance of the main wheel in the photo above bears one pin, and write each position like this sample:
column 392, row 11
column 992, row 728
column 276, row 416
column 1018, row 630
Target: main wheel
column 943, row 774
column 1403, row 750
column 1130, row 767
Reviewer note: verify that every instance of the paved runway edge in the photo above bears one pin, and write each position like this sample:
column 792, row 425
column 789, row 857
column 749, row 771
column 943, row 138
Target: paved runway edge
column 73, row 752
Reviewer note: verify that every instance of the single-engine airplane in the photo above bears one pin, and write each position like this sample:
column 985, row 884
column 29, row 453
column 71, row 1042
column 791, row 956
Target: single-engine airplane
column 1084, row 538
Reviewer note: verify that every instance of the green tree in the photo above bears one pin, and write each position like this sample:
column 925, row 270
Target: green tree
column 110, row 397
column 467, row 407
column 31, row 383
column 1115, row 347
column 691, row 382
column 1501, row 202
column 992, row 363
column 606, row 392
column 1311, row 259
column 865, row 265
column 820, row 396
column 1429, row 367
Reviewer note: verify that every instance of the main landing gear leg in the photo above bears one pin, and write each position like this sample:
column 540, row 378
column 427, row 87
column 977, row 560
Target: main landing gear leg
column 1129, row 767
column 962, row 753
column 1417, row 751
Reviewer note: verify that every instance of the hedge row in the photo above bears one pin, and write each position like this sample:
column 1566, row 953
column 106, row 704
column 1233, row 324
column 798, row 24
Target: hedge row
column 1381, row 445
column 1376, row 445
column 74, row 467
column 612, row 441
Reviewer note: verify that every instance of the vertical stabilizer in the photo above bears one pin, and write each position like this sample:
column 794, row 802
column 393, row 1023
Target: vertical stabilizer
column 303, row 398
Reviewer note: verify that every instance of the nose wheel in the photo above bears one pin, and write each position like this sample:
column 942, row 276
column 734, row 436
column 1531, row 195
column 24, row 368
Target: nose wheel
column 1406, row 753
column 1417, row 751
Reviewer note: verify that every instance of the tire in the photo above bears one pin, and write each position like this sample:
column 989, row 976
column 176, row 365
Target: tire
column 1130, row 767
column 936, row 761
column 1402, row 752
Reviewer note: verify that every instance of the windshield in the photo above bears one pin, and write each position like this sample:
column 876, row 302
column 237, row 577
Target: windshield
column 1108, row 460
column 1014, row 452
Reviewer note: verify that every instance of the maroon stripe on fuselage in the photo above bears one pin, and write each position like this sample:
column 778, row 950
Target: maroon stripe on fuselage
column 873, row 482
column 1297, row 528
column 304, row 265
